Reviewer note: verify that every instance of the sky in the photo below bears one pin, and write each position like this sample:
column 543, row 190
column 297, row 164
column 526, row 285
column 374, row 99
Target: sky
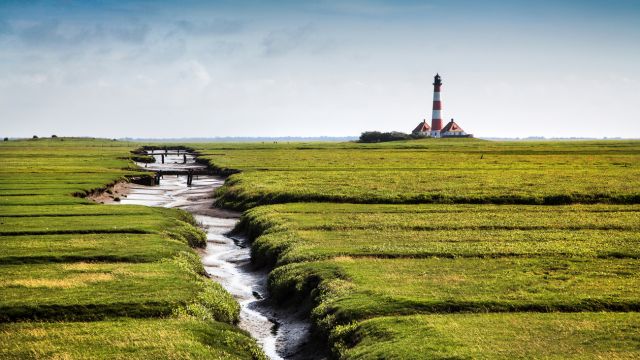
column 161, row 68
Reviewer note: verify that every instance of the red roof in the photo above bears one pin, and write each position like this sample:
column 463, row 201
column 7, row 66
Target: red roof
column 422, row 127
column 452, row 126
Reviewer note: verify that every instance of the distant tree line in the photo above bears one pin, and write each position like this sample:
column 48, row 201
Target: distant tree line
column 377, row 136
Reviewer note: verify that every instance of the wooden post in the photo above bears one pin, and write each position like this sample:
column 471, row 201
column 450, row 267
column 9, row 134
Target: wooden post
column 184, row 158
column 162, row 158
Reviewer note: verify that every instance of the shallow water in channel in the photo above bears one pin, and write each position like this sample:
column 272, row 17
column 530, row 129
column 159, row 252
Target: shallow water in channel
column 281, row 334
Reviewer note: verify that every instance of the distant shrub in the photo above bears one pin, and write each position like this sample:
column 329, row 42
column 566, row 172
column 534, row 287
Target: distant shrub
column 35, row 136
column 377, row 136
column 54, row 136
column 6, row 139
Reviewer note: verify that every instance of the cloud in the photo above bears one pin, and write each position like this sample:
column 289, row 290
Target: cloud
column 214, row 27
column 136, row 34
column 347, row 65
column 53, row 33
column 193, row 71
column 226, row 48
column 50, row 33
column 283, row 41
column 373, row 7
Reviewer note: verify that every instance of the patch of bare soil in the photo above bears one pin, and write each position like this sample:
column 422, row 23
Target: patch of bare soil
column 112, row 194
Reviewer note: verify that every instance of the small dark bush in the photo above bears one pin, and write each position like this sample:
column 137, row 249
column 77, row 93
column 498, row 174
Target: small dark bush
column 6, row 139
column 35, row 136
column 377, row 136
column 54, row 136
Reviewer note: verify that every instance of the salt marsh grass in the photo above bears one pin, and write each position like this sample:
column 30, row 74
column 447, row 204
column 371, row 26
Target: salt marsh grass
column 128, row 270
column 448, row 249
column 443, row 171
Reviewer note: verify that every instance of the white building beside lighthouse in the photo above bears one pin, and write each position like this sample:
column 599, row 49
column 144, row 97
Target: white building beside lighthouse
column 452, row 130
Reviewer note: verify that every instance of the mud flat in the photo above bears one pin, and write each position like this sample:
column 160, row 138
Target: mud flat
column 227, row 258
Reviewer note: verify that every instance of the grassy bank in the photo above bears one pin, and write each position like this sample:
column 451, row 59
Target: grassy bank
column 493, row 336
column 124, row 338
column 362, row 262
column 101, row 281
column 428, row 171
column 313, row 231
column 448, row 249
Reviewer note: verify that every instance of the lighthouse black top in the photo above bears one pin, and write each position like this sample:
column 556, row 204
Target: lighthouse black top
column 437, row 80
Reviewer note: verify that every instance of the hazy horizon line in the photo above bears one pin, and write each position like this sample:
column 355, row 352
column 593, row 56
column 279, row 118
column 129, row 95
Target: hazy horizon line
column 297, row 138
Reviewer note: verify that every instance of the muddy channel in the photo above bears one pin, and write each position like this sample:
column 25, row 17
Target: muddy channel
column 282, row 333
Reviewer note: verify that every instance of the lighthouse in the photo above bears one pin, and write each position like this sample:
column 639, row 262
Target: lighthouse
column 449, row 130
column 436, row 115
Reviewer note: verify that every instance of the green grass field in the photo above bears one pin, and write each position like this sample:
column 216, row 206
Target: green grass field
column 361, row 288
column 124, row 338
column 448, row 249
column 362, row 262
column 30, row 249
column 441, row 249
column 83, row 280
column 494, row 336
column 312, row 231
column 93, row 290
column 444, row 171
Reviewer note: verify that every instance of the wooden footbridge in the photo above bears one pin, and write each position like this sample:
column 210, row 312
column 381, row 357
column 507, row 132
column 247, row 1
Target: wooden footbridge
column 189, row 173
column 168, row 152
column 185, row 172
column 182, row 168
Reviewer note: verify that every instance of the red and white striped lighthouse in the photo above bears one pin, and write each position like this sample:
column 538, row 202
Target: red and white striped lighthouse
column 436, row 115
